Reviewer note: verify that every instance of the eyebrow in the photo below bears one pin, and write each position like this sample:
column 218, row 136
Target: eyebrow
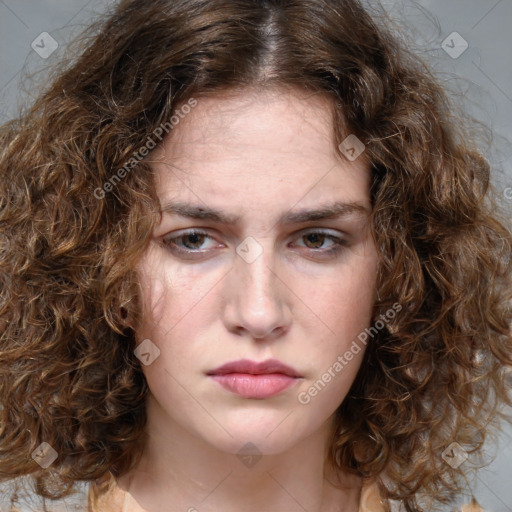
column 324, row 212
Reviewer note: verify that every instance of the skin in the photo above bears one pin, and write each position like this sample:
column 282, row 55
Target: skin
column 256, row 154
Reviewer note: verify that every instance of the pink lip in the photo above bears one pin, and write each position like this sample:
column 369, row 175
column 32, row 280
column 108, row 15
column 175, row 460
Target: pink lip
column 255, row 380
column 254, row 368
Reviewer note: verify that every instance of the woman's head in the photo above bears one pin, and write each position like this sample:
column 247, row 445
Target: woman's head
column 205, row 85
column 288, row 274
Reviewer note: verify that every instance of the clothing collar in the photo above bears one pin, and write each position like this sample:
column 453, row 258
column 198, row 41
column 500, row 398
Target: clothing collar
column 111, row 498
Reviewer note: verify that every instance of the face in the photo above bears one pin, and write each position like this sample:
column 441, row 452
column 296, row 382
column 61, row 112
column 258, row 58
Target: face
column 240, row 268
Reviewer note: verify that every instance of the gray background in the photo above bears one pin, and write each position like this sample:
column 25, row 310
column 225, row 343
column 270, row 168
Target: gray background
column 481, row 77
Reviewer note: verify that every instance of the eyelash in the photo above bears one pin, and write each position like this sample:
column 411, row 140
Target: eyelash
column 169, row 243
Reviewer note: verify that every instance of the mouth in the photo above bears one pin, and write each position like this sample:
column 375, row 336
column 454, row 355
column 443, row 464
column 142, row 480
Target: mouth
column 250, row 379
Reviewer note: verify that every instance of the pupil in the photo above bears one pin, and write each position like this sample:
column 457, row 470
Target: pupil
column 194, row 237
column 316, row 238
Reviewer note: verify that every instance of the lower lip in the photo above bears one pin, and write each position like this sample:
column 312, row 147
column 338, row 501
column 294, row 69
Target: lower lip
column 255, row 386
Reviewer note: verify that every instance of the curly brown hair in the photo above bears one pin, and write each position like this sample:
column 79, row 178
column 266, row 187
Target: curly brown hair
column 70, row 297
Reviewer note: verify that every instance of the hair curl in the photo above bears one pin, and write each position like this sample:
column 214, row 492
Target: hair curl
column 70, row 298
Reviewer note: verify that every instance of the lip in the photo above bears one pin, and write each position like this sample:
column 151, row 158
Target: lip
column 250, row 379
column 255, row 368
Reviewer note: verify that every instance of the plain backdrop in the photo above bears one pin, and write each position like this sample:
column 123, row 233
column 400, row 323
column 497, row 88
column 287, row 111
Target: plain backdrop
column 467, row 42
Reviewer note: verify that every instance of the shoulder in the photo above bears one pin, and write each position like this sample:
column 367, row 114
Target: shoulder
column 18, row 495
column 371, row 501
column 106, row 496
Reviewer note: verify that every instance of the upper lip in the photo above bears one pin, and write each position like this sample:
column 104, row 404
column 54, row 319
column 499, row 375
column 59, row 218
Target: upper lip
column 255, row 368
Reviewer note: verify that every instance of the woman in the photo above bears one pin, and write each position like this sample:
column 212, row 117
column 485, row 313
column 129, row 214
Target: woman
column 251, row 262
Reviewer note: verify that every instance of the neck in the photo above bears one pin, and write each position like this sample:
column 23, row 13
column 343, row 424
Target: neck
column 180, row 469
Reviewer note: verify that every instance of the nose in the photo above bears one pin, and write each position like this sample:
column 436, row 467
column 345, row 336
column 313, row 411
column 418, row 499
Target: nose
column 256, row 298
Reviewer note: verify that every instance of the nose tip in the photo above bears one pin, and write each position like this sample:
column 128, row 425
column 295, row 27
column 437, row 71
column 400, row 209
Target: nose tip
column 258, row 333
column 255, row 296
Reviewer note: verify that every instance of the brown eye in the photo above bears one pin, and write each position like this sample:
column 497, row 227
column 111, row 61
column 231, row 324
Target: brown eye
column 187, row 242
column 315, row 240
column 193, row 239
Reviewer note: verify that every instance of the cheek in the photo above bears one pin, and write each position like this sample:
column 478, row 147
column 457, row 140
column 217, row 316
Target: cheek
column 156, row 300
column 344, row 302
column 169, row 293
column 177, row 306
column 323, row 394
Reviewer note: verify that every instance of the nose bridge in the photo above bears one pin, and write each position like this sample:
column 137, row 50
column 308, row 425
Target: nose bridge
column 254, row 269
column 255, row 289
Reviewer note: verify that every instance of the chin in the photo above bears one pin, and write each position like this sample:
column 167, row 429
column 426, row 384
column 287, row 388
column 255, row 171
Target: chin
column 256, row 445
column 271, row 436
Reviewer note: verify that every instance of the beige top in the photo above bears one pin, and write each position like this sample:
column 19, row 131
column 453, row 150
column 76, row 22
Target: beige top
column 114, row 500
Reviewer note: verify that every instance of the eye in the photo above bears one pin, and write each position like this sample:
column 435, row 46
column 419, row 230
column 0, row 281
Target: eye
column 316, row 239
column 189, row 242
column 192, row 243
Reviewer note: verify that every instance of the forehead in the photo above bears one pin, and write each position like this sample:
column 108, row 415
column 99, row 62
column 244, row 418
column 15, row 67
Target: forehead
column 246, row 144
column 244, row 122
